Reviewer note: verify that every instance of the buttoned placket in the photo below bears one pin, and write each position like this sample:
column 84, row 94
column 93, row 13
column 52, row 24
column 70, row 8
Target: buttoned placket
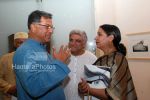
column 75, row 70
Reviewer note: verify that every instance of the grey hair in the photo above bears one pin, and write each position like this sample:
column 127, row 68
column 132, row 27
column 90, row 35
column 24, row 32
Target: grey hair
column 81, row 33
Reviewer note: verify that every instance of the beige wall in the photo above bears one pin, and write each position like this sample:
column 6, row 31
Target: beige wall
column 131, row 16
column 104, row 12
column 140, row 70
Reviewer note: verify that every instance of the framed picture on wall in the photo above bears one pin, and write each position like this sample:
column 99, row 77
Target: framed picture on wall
column 138, row 45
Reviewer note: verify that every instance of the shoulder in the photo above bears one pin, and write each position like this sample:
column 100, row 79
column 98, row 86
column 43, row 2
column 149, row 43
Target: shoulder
column 7, row 56
column 26, row 47
column 120, row 58
column 115, row 57
column 88, row 53
column 24, row 50
column 119, row 55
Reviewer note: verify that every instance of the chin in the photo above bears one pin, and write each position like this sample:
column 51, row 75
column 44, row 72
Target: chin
column 73, row 51
column 98, row 47
column 47, row 40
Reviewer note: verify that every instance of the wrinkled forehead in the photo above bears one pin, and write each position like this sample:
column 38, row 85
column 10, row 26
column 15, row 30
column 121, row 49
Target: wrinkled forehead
column 76, row 36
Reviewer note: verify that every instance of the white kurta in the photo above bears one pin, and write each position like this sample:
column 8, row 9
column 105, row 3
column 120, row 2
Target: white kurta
column 76, row 66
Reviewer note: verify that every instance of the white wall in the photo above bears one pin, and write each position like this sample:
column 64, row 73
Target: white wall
column 68, row 15
column 131, row 16
column 13, row 18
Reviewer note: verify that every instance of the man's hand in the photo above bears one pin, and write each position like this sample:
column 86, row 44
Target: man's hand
column 63, row 54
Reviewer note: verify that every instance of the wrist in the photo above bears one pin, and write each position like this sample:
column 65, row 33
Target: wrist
column 88, row 92
column 108, row 96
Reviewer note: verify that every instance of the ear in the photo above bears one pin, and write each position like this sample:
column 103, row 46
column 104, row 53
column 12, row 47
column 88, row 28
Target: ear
column 111, row 37
column 32, row 27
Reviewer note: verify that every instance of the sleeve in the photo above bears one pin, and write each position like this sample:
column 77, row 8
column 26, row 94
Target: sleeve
column 91, row 56
column 119, row 78
column 39, row 77
column 4, row 85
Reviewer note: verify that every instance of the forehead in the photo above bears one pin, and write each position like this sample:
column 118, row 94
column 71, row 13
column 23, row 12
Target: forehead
column 101, row 31
column 45, row 20
column 75, row 36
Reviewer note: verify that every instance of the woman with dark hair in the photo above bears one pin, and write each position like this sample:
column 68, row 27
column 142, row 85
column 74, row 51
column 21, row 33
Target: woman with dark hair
column 120, row 86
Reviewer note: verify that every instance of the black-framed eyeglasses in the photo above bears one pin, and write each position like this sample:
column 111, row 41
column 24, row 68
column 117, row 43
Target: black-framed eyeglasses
column 47, row 26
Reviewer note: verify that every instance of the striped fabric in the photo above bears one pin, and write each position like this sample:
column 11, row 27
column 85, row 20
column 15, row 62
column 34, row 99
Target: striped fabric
column 121, row 86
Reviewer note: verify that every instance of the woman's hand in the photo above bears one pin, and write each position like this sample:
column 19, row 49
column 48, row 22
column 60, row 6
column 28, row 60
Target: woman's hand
column 83, row 87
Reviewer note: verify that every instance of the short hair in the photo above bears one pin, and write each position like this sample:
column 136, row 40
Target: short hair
column 81, row 33
column 36, row 15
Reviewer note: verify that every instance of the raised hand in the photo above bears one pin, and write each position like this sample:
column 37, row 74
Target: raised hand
column 63, row 54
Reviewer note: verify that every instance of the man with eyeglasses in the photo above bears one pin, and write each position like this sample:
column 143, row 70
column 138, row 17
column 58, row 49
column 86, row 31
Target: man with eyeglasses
column 47, row 26
column 38, row 74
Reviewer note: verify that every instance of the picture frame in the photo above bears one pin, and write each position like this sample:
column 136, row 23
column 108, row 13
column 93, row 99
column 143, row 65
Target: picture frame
column 138, row 46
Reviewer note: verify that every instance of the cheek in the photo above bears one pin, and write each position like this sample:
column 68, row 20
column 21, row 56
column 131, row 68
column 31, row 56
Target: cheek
column 72, row 43
column 41, row 35
column 98, row 38
column 69, row 44
column 103, row 39
column 101, row 42
column 47, row 34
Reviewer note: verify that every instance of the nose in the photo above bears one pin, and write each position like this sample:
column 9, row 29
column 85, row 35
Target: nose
column 73, row 42
column 95, row 38
column 50, row 30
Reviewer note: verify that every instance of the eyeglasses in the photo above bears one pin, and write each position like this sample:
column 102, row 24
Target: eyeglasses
column 47, row 26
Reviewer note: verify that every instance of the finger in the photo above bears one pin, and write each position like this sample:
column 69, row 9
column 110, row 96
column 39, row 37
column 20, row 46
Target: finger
column 53, row 51
column 79, row 85
column 68, row 53
column 61, row 48
column 85, row 88
column 69, row 50
column 82, row 85
column 66, row 48
column 83, row 80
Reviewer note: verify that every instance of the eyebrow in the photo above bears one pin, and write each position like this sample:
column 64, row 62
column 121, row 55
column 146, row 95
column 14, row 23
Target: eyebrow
column 75, row 39
column 98, row 32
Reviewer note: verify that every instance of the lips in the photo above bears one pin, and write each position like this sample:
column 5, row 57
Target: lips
column 97, row 42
